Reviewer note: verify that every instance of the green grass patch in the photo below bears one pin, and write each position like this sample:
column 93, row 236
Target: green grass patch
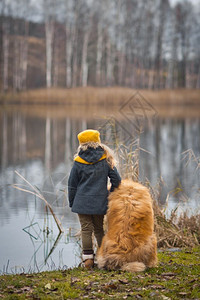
column 176, row 277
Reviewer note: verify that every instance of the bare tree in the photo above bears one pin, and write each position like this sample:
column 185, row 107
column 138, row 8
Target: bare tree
column 86, row 27
column 24, row 55
column 171, row 81
column 57, row 42
column 75, row 44
column 5, row 44
column 99, row 52
column 185, row 21
column 49, row 11
column 20, row 52
column 163, row 7
column 112, row 42
column 70, row 34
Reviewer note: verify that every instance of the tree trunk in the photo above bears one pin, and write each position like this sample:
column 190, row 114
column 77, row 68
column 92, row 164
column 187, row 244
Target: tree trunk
column 49, row 30
column 5, row 33
column 108, row 63
column 16, row 58
column 121, row 58
column 84, row 63
column 183, row 61
column 75, row 61
column 158, row 55
column 69, row 38
column 99, row 55
column 56, row 61
column 24, row 57
column 198, row 80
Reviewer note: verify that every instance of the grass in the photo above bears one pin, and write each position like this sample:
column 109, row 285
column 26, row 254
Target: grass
column 176, row 277
column 178, row 230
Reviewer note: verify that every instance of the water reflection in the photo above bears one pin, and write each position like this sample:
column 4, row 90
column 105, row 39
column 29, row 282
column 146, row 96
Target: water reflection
column 41, row 146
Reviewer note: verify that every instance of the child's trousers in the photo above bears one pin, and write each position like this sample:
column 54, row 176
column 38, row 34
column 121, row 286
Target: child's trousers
column 90, row 224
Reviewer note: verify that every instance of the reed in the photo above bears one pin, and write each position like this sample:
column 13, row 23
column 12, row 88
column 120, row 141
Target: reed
column 176, row 230
column 36, row 192
column 99, row 96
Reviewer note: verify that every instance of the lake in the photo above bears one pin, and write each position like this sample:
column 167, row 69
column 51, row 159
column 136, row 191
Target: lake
column 39, row 142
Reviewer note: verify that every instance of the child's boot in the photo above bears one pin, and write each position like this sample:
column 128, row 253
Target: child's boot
column 88, row 260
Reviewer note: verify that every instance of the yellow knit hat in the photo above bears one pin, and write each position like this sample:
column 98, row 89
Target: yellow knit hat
column 89, row 135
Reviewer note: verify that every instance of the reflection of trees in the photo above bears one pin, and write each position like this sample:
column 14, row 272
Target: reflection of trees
column 166, row 160
column 48, row 145
column 4, row 142
column 36, row 147
column 39, row 146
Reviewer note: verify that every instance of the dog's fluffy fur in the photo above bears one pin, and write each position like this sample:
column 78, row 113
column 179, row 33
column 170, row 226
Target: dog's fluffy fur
column 130, row 243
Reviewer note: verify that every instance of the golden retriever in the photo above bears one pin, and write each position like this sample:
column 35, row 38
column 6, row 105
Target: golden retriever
column 129, row 243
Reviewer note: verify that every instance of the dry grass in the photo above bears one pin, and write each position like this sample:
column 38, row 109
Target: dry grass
column 170, row 103
column 96, row 95
column 177, row 230
column 76, row 96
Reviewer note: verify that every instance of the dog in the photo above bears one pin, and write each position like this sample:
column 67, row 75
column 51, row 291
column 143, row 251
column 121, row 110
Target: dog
column 130, row 243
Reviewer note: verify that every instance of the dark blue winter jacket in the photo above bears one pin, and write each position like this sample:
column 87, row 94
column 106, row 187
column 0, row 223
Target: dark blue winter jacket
column 87, row 184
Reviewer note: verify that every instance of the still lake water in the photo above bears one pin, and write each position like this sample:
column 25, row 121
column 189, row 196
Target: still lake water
column 39, row 143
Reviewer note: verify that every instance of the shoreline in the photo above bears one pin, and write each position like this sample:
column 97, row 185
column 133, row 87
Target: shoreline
column 98, row 102
column 95, row 95
column 176, row 276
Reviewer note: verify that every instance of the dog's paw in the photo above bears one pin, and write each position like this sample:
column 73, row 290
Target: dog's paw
column 133, row 267
column 100, row 262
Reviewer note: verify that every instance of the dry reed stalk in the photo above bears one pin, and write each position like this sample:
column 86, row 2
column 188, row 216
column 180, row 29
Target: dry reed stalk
column 129, row 160
column 177, row 230
column 189, row 156
column 39, row 195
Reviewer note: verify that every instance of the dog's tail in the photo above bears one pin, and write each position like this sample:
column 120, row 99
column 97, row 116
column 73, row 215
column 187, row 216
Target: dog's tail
column 135, row 266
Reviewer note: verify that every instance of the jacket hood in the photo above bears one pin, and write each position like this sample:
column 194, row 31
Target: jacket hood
column 91, row 155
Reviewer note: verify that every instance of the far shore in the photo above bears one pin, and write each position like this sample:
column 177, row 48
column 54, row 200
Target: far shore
column 61, row 102
column 96, row 95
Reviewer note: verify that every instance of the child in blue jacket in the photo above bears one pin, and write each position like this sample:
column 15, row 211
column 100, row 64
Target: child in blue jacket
column 87, row 188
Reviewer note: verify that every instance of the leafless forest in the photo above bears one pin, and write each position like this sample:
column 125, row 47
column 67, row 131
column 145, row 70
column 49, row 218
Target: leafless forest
column 68, row 43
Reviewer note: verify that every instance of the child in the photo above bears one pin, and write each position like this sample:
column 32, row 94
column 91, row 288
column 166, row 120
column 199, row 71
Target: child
column 87, row 187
